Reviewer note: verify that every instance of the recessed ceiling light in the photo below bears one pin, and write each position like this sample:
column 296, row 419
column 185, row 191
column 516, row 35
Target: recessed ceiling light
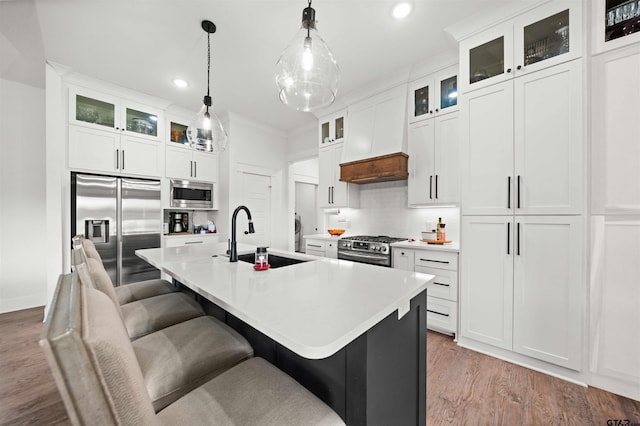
column 401, row 10
column 180, row 83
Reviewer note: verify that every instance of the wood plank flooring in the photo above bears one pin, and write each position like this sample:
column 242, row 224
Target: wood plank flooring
column 463, row 387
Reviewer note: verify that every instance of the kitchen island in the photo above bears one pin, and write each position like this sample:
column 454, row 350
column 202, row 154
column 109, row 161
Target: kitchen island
column 353, row 334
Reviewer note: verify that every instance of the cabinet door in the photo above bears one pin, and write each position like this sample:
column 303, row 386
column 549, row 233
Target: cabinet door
column 389, row 123
column 142, row 121
column 486, row 280
column 615, row 155
column 609, row 28
column 179, row 163
column 547, row 35
column 93, row 109
column 331, row 249
column 205, row 166
column 487, row 150
column 549, row 141
column 615, row 303
column 360, row 131
column 421, row 163
column 486, row 58
column 444, row 285
column 326, row 176
column 447, row 159
column 340, row 190
column 94, row 150
column 422, row 99
column 549, row 289
column 446, row 85
column 141, row 156
column 403, row 258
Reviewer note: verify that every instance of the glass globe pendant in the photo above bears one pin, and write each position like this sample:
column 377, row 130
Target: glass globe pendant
column 306, row 73
column 205, row 132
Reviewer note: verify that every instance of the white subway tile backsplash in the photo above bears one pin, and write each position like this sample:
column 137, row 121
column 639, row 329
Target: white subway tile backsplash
column 383, row 211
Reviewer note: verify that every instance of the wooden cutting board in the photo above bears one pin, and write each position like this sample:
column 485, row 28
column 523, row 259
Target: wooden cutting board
column 439, row 242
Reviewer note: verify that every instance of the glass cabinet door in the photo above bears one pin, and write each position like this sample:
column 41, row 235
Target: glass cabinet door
column 486, row 60
column 324, row 133
column 449, row 92
column 421, row 103
column 546, row 38
column 622, row 18
column 339, row 128
column 89, row 110
column 141, row 122
column 178, row 133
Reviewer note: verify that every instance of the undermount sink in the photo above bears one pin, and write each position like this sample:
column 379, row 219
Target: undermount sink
column 275, row 261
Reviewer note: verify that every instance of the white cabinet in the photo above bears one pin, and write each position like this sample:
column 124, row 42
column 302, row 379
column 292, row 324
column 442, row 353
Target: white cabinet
column 434, row 161
column 522, row 285
column 187, row 163
column 108, row 134
column 433, row 95
column 612, row 28
column 321, row 247
column 377, row 126
column 195, row 239
column 333, row 193
column 97, row 150
column 523, row 144
column 442, row 294
column 615, row 151
column 332, row 129
column 543, row 37
column 615, row 303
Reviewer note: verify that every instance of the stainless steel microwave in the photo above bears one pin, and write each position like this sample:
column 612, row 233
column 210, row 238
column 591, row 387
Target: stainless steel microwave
column 187, row 194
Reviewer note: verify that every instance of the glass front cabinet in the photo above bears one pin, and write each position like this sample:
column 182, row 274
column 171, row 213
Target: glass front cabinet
column 433, row 95
column 332, row 129
column 100, row 111
column 540, row 38
column 615, row 23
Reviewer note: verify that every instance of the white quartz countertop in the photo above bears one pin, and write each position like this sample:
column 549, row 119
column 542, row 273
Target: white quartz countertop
column 419, row 245
column 313, row 308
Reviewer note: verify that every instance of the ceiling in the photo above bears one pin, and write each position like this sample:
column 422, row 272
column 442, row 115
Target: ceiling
column 145, row 44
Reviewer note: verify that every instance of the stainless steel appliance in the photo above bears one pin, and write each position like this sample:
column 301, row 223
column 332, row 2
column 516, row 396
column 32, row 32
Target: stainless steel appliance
column 187, row 194
column 120, row 215
column 374, row 250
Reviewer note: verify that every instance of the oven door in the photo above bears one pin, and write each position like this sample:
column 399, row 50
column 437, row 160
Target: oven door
column 370, row 258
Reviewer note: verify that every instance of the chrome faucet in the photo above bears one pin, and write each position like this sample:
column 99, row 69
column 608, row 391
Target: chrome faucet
column 233, row 254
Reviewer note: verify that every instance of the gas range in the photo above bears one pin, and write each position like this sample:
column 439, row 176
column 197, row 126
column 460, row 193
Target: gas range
column 374, row 250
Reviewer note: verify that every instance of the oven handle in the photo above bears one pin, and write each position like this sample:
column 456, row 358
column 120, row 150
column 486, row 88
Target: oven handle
column 348, row 255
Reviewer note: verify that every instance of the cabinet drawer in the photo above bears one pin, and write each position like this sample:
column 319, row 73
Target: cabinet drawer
column 442, row 315
column 435, row 259
column 445, row 284
column 184, row 241
column 315, row 252
column 315, row 245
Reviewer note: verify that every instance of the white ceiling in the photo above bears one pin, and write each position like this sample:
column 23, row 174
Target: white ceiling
column 144, row 44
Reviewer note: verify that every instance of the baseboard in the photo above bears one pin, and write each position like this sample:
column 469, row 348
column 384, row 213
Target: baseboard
column 619, row 387
column 20, row 303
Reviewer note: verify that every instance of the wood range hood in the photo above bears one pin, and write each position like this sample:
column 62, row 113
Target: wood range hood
column 377, row 169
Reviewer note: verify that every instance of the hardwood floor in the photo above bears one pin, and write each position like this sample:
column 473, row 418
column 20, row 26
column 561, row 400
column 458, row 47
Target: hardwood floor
column 463, row 387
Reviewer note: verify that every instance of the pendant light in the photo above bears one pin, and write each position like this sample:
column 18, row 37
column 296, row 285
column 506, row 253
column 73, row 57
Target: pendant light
column 306, row 73
column 205, row 132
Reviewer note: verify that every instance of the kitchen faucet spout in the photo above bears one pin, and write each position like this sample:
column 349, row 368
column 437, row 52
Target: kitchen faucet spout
column 233, row 255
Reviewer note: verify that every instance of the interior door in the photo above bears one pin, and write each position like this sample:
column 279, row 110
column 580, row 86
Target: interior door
column 256, row 195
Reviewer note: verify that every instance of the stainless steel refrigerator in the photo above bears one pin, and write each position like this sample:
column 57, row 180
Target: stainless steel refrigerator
column 120, row 215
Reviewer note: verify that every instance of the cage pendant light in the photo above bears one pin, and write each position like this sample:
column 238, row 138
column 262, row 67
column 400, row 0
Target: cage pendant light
column 205, row 132
column 306, row 73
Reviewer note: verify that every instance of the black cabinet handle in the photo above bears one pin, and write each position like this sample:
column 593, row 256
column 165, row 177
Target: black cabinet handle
column 430, row 111
column 508, row 192
column 123, row 159
column 443, row 285
column 117, row 158
column 436, row 187
column 430, row 187
column 509, row 70
column 195, row 169
column 191, row 168
column 436, row 261
column 437, row 110
column 313, row 245
column 518, row 231
column 519, row 67
column 438, row 313
column 508, row 237
column 518, row 191
column 328, row 195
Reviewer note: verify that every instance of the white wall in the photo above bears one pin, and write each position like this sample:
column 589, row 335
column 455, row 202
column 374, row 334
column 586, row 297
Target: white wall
column 383, row 211
column 22, row 197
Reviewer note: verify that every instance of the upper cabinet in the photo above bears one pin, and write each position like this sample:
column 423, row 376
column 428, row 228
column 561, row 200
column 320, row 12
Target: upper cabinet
column 332, row 129
column 433, row 95
column 111, row 135
column 332, row 192
column 184, row 161
column 543, row 37
column 615, row 23
column 101, row 111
